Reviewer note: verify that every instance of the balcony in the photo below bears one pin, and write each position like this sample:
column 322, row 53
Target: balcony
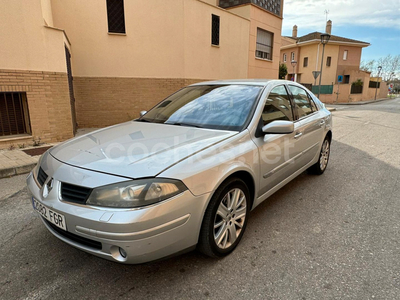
column 273, row 6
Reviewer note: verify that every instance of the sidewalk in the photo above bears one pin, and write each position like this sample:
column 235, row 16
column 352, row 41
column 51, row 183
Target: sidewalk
column 361, row 102
column 16, row 161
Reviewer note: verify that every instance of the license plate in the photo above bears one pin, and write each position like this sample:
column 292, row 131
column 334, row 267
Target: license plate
column 50, row 215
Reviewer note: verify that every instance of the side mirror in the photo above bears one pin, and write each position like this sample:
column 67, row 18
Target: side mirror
column 279, row 127
column 143, row 112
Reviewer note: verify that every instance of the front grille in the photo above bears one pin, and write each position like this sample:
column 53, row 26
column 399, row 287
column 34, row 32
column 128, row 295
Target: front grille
column 73, row 237
column 41, row 176
column 74, row 193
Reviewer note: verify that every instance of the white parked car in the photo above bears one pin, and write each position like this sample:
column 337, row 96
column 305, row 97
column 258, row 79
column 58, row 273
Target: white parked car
column 185, row 174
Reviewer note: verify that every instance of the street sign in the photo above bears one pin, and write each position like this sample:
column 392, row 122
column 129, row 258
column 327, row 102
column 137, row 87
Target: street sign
column 316, row 74
column 340, row 78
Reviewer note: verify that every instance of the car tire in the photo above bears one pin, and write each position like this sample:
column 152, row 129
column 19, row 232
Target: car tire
column 225, row 219
column 320, row 166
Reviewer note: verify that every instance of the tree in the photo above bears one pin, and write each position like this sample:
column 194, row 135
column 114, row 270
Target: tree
column 367, row 66
column 282, row 71
column 390, row 67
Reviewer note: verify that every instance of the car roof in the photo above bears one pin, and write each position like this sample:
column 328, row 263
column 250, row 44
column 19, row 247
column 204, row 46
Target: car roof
column 258, row 82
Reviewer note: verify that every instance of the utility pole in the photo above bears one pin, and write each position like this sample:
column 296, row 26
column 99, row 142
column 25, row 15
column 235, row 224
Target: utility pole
column 324, row 40
column 377, row 80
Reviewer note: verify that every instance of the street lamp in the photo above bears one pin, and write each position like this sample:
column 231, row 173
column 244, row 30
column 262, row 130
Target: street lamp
column 377, row 80
column 324, row 40
column 294, row 63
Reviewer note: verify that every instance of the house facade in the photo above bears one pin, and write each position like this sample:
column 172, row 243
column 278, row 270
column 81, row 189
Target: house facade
column 68, row 64
column 342, row 57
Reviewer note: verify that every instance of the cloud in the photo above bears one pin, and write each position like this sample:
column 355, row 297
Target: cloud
column 309, row 14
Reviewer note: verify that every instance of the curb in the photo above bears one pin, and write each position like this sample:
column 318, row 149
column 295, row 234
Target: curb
column 9, row 172
column 363, row 102
column 331, row 109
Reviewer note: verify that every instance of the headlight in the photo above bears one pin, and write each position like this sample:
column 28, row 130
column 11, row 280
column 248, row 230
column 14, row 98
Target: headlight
column 135, row 193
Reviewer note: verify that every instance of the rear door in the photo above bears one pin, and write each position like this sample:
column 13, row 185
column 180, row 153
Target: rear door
column 309, row 126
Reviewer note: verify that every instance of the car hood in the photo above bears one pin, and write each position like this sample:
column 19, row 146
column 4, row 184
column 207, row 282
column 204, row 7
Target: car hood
column 136, row 149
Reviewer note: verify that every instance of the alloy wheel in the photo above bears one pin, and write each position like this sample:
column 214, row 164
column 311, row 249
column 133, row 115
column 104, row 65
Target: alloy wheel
column 323, row 161
column 230, row 218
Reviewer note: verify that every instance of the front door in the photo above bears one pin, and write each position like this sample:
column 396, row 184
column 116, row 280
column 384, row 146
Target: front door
column 277, row 151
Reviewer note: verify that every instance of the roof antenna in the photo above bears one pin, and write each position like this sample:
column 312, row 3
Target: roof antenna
column 326, row 12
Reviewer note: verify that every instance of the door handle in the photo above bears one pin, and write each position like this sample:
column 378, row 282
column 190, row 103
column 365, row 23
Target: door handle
column 322, row 123
column 298, row 135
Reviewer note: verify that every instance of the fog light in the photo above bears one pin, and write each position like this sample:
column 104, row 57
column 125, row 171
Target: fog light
column 122, row 252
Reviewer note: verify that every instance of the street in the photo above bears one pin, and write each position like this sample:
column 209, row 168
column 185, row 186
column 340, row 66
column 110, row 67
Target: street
column 335, row 236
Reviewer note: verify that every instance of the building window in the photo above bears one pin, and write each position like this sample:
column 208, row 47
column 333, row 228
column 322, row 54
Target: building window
column 305, row 63
column 264, row 44
column 345, row 53
column 215, row 30
column 116, row 16
column 346, row 79
column 292, row 56
column 328, row 61
column 284, row 57
column 14, row 117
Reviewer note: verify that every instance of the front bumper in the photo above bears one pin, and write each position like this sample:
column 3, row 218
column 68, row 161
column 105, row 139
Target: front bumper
column 145, row 234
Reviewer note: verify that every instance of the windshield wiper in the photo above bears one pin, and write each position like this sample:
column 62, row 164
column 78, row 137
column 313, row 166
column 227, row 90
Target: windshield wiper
column 142, row 120
column 184, row 124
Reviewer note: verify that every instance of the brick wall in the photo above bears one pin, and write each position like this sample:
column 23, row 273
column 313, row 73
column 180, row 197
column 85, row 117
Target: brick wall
column 104, row 101
column 48, row 102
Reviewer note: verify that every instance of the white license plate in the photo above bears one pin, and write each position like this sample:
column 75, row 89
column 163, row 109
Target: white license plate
column 50, row 215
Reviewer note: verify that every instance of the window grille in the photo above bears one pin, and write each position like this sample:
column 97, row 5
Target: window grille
column 215, row 30
column 116, row 16
column 14, row 117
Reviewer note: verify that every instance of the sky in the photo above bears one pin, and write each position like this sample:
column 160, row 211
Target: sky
column 374, row 21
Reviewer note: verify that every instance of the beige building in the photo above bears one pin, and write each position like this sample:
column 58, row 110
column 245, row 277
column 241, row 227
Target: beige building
column 93, row 63
column 342, row 57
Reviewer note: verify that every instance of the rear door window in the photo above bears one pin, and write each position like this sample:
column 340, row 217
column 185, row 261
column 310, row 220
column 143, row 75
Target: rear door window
column 301, row 101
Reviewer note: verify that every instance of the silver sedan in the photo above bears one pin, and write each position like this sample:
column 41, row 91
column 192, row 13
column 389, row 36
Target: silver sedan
column 185, row 174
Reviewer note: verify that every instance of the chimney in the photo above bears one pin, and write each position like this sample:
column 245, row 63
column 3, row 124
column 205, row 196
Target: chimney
column 294, row 32
column 328, row 27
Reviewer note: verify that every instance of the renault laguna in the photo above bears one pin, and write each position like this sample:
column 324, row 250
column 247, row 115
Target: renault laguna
column 185, row 174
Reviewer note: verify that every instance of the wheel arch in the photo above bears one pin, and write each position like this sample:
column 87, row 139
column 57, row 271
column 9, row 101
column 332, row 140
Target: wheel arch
column 248, row 179
column 329, row 135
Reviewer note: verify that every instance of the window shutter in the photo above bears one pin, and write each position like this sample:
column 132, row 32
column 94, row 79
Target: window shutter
column 264, row 41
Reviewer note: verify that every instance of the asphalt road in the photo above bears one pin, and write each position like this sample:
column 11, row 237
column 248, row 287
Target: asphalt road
column 334, row 236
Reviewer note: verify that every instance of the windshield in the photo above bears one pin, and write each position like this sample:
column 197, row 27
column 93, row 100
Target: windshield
column 225, row 107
